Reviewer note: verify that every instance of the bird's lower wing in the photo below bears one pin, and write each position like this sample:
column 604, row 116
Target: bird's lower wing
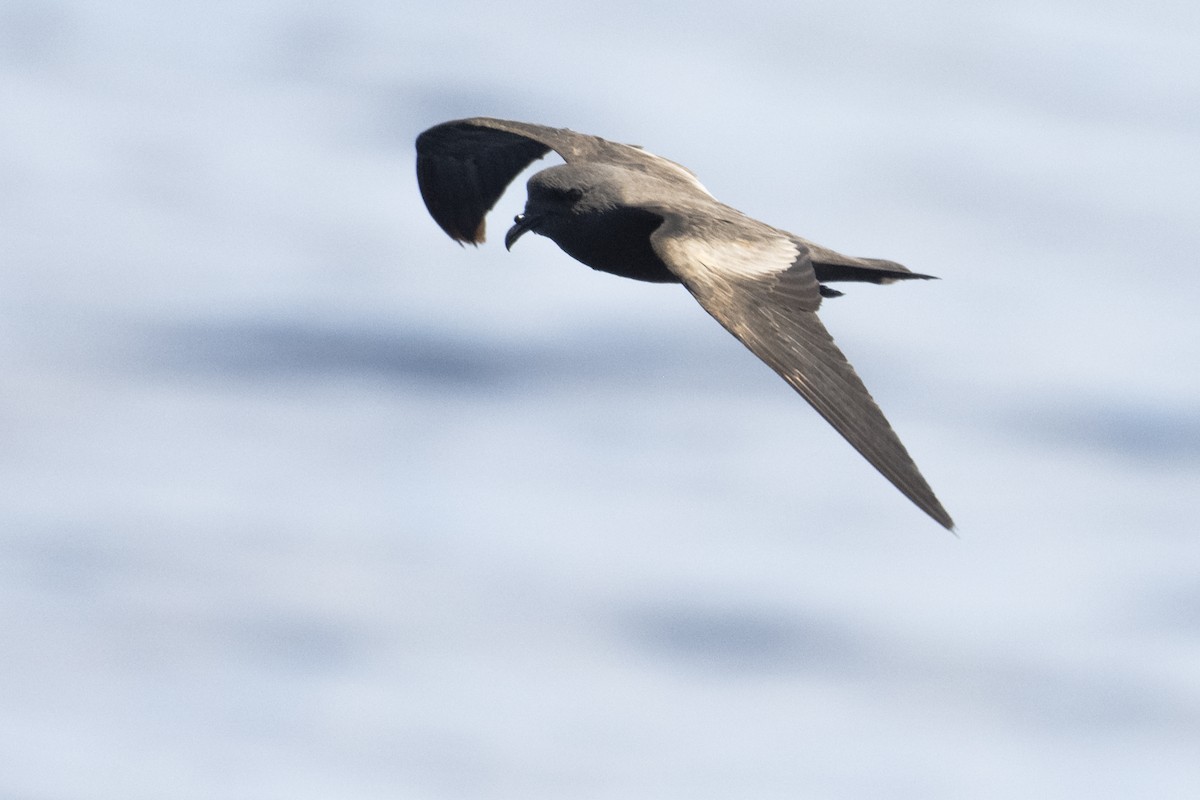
column 769, row 303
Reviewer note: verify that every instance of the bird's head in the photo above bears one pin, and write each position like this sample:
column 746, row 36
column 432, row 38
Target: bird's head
column 556, row 196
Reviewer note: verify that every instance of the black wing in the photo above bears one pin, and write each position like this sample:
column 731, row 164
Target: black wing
column 464, row 166
column 763, row 289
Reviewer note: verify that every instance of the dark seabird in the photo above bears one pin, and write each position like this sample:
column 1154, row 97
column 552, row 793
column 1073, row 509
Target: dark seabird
column 620, row 209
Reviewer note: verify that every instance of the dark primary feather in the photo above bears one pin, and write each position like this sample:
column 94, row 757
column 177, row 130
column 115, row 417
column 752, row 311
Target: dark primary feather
column 463, row 167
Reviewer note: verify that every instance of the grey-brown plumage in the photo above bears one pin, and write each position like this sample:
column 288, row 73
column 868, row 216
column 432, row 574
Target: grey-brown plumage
column 620, row 209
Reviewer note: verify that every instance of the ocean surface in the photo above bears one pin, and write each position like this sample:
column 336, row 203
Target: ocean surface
column 299, row 499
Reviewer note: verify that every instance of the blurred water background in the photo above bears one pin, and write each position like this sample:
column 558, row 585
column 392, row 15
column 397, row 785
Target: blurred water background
column 300, row 500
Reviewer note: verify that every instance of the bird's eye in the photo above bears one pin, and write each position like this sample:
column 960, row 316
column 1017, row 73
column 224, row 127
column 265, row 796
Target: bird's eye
column 568, row 196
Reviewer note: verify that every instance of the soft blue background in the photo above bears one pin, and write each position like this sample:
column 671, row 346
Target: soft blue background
column 298, row 499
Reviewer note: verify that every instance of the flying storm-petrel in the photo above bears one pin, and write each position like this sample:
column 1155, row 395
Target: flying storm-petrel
column 620, row 209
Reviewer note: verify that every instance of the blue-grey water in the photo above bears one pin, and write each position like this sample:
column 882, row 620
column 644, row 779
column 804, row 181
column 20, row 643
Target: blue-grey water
column 298, row 499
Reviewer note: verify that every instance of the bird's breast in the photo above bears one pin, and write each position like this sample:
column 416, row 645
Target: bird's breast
column 617, row 242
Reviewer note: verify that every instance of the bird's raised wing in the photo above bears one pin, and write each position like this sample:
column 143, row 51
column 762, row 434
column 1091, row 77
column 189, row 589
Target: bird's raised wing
column 760, row 285
column 464, row 166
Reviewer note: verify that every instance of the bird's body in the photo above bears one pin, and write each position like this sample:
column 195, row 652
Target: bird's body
column 614, row 239
column 622, row 210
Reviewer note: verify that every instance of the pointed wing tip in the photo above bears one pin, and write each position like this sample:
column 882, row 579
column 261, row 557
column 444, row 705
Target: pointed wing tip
column 477, row 238
column 461, row 237
column 916, row 490
column 939, row 515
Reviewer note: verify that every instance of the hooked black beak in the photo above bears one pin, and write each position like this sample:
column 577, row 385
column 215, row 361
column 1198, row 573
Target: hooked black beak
column 523, row 223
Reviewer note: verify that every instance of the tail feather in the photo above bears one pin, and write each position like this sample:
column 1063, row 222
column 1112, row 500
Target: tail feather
column 865, row 270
